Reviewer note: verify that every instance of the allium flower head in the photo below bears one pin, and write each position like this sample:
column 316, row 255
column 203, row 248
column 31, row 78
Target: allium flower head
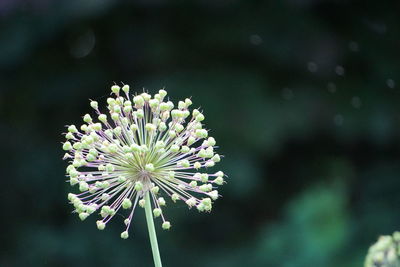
column 385, row 252
column 143, row 144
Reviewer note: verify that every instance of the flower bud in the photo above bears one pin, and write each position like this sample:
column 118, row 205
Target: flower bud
column 219, row 180
column 200, row 117
column 150, row 127
column 149, row 167
column 190, row 202
column 138, row 186
column 174, row 148
column 139, row 101
column 140, row 113
column 164, row 106
column 154, row 103
column 181, row 105
column 83, row 186
column 174, row 197
column 67, row 146
column 172, row 133
column 166, row 225
column 213, row 194
column 94, row 104
column 103, row 118
column 115, row 89
column 201, row 133
column 126, row 203
column 191, row 140
column 100, row 225
column 161, row 201
column 162, row 93
column 83, row 215
column 87, row 118
column 219, row 174
column 209, row 164
column 157, row 212
column 125, row 88
column 188, row 102
column 155, row 190
column 114, row 116
column 124, row 235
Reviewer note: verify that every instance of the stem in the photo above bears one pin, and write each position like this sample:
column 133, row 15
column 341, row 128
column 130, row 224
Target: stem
column 152, row 231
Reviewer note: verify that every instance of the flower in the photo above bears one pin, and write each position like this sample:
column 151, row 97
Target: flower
column 143, row 145
column 385, row 252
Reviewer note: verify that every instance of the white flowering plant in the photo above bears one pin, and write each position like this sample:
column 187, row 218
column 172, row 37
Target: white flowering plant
column 144, row 151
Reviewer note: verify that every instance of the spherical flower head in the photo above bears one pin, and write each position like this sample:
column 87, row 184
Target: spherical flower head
column 145, row 144
column 385, row 252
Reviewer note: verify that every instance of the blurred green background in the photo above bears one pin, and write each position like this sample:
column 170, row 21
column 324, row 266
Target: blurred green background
column 301, row 96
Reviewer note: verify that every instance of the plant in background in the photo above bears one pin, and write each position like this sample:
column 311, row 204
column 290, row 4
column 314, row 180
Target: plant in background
column 143, row 152
column 385, row 252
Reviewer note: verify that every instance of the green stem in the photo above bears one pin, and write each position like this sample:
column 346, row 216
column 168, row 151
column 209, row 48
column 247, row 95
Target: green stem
column 152, row 231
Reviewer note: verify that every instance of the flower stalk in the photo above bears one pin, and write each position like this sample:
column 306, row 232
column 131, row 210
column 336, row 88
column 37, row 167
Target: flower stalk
column 152, row 231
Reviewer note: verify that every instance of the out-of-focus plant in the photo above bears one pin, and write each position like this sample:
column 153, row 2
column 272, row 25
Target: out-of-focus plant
column 385, row 252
